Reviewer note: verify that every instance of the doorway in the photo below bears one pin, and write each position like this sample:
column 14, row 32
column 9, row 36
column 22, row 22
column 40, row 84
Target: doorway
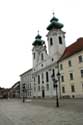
column 43, row 93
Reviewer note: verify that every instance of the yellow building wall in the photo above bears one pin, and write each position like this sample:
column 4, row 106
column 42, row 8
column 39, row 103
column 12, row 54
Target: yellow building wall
column 75, row 69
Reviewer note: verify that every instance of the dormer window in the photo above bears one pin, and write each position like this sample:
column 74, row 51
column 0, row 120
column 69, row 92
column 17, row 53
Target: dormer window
column 51, row 41
column 60, row 40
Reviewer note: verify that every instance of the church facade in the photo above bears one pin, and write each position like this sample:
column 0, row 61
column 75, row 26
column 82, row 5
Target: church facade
column 39, row 78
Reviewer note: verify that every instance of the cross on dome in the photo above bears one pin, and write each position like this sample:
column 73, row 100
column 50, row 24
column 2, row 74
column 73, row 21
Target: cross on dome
column 53, row 14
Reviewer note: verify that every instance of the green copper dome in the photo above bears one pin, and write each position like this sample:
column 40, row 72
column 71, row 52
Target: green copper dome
column 54, row 24
column 38, row 41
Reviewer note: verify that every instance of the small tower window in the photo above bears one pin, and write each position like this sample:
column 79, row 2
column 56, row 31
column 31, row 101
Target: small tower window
column 51, row 41
column 42, row 56
column 34, row 55
column 60, row 40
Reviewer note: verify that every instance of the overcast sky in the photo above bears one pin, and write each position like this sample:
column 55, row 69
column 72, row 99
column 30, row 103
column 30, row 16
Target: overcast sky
column 19, row 22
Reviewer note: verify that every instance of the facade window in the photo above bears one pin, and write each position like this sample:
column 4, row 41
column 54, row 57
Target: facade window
column 60, row 40
column 47, row 87
column 53, row 72
column 63, row 89
column 34, row 88
column 71, row 76
column 47, row 78
column 80, row 59
column 61, row 67
column 69, row 63
column 38, row 79
column 62, row 78
column 33, row 55
column 72, row 88
column 81, row 72
column 38, row 88
column 30, row 86
column 51, row 41
column 42, row 77
column 34, row 79
column 52, row 59
column 42, row 56
column 82, row 87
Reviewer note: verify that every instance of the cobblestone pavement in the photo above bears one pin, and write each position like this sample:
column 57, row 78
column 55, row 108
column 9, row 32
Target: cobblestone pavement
column 41, row 112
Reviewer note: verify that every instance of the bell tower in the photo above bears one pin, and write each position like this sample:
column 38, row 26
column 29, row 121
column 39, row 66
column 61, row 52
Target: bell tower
column 55, row 38
column 37, row 45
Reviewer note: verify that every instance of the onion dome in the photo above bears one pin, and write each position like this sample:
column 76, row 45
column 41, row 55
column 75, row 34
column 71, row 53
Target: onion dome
column 38, row 41
column 54, row 24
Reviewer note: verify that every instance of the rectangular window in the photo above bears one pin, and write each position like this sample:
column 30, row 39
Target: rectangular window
column 61, row 67
column 38, row 79
column 82, row 87
column 80, row 59
column 63, row 89
column 72, row 88
column 71, row 76
column 62, row 78
column 47, row 78
column 81, row 72
column 69, row 63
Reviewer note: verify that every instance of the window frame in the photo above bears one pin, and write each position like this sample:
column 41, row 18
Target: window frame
column 60, row 40
column 81, row 73
column 51, row 41
column 72, row 88
column 69, row 63
column 63, row 89
column 71, row 76
column 47, row 77
column 80, row 58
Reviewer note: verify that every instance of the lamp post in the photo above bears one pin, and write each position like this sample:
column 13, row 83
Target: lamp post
column 55, row 86
column 58, row 76
column 23, row 92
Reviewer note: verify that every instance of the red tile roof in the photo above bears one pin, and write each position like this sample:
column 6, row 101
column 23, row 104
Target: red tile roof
column 72, row 49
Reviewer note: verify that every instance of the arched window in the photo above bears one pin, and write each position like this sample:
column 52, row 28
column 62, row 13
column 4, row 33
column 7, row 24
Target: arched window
column 51, row 41
column 60, row 40
column 33, row 55
column 42, row 56
column 38, row 79
column 53, row 72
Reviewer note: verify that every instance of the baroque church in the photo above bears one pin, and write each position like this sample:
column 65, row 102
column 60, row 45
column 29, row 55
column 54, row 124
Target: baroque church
column 38, row 80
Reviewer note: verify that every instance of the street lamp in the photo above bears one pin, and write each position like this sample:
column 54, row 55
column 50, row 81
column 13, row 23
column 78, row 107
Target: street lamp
column 55, row 86
column 58, row 76
column 23, row 92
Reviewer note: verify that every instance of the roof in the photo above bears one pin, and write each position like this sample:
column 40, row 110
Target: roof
column 26, row 72
column 54, row 24
column 16, row 84
column 38, row 41
column 72, row 49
